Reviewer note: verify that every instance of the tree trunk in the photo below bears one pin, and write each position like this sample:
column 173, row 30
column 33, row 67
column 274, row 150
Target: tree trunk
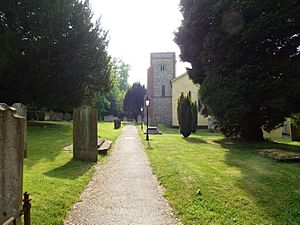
column 251, row 131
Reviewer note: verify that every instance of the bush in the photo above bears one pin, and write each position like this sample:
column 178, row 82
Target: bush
column 194, row 117
column 185, row 117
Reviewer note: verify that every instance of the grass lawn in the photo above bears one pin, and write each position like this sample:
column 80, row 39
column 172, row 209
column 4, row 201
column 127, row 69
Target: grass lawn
column 213, row 180
column 52, row 178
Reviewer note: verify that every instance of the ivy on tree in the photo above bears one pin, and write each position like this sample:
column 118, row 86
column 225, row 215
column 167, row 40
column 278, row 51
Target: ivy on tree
column 245, row 55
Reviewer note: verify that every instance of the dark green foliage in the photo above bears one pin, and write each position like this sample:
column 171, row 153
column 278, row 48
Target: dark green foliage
column 245, row 56
column 295, row 120
column 51, row 54
column 134, row 100
column 185, row 116
column 194, row 117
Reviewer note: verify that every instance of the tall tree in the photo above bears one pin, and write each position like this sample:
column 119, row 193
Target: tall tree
column 112, row 103
column 134, row 100
column 245, row 55
column 57, row 57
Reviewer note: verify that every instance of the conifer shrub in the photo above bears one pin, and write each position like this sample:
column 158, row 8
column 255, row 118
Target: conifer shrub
column 194, row 117
column 185, row 117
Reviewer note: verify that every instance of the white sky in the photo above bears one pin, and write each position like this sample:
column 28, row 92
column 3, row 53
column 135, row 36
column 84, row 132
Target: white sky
column 137, row 28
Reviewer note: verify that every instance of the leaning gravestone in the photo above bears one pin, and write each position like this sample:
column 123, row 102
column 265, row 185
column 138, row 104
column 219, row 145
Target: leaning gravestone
column 85, row 134
column 12, row 128
column 22, row 111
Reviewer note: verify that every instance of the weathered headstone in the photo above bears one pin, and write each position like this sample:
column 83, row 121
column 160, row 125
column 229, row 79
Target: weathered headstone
column 60, row 116
column 125, row 118
column 47, row 116
column 22, row 111
column 67, row 116
column 117, row 123
column 109, row 118
column 211, row 124
column 12, row 129
column 85, row 134
column 139, row 119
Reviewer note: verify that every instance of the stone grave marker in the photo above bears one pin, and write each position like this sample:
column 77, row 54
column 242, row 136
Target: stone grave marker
column 109, row 118
column 85, row 134
column 22, row 111
column 12, row 131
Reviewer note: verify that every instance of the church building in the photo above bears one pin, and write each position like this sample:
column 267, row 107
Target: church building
column 159, row 89
column 164, row 89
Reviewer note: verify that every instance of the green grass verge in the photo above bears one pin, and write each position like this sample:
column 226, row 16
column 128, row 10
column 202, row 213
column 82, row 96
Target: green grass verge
column 52, row 178
column 213, row 180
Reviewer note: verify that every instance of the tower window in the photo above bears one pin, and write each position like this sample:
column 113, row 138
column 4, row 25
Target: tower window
column 162, row 67
column 163, row 91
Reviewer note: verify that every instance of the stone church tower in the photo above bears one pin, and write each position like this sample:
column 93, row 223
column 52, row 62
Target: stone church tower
column 159, row 88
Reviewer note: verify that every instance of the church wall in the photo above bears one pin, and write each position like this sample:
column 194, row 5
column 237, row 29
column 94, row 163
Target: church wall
column 184, row 84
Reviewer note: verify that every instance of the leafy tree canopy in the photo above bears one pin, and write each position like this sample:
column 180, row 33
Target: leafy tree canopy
column 51, row 54
column 112, row 103
column 245, row 55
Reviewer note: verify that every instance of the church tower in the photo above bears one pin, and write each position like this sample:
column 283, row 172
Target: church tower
column 159, row 89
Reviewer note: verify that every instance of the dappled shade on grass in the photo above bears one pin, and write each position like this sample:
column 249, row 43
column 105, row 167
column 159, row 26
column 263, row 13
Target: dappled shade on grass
column 210, row 179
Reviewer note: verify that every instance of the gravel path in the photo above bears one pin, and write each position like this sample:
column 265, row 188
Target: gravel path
column 123, row 191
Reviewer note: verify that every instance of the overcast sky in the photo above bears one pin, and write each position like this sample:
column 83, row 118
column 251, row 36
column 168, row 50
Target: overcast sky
column 137, row 28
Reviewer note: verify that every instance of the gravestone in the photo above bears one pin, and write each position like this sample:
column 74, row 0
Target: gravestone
column 67, row 117
column 60, row 116
column 85, row 134
column 47, row 116
column 139, row 119
column 12, row 129
column 109, row 118
column 22, row 111
column 211, row 124
column 125, row 118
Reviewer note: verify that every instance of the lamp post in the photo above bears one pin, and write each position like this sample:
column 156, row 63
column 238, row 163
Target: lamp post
column 142, row 110
column 147, row 103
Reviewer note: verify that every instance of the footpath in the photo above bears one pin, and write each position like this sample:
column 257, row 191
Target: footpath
column 123, row 191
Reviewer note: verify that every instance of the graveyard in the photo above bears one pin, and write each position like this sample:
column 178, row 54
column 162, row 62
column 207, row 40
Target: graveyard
column 165, row 112
column 53, row 179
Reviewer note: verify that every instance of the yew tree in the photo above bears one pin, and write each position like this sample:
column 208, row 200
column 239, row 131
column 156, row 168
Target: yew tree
column 51, row 53
column 246, row 57
column 134, row 100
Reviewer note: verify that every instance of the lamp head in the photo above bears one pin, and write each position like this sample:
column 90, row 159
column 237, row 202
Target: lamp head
column 147, row 102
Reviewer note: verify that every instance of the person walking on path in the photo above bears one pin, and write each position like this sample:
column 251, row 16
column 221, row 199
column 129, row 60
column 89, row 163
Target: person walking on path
column 123, row 191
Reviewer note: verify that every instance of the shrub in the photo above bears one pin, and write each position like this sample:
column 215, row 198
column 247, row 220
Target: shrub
column 194, row 117
column 185, row 117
